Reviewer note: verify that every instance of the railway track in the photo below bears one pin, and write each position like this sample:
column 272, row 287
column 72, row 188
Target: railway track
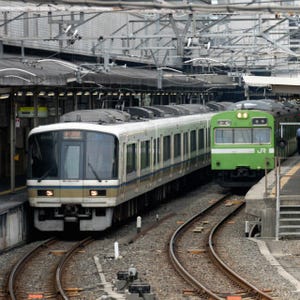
column 49, row 258
column 197, row 238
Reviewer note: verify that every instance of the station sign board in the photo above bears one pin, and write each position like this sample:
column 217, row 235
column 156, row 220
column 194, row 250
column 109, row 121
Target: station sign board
column 29, row 112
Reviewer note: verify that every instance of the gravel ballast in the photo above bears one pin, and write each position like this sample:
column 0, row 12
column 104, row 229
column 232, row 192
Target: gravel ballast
column 271, row 265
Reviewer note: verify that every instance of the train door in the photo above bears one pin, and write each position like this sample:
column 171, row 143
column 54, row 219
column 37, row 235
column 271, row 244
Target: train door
column 72, row 167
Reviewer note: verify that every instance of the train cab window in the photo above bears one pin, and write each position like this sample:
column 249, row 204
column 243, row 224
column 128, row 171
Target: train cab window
column 131, row 158
column 223, row 136
column 145, row 154
column 43, row 155
column 177, row 145
column 101, row 156
column 167, row 148
column 261, row 135
column 193, row 140
column 242, row 136
column 71, row 162
column 201, row 139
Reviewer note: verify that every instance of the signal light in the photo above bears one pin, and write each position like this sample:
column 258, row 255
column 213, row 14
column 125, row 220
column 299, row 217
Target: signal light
column 282, row 143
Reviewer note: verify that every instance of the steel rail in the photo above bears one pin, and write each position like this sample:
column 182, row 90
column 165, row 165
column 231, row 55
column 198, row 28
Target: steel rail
column 63, row 261
column 240, row 280
column 258, row 294
column 20, row 264
column 176, row 263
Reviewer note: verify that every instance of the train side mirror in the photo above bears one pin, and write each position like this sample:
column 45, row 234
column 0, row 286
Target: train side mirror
column 282, row 143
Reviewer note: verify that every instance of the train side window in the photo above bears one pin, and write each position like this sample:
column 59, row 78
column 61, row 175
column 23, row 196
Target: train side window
column 223, row 136
column 193, row 140
column 2, row 224
column 167, row 148
column 201, row 138
column 185, row 143
column 177, row 145
column 145, row 154
column 156, row 147
column 207, row 137
column 131, row 158
column 154, row 152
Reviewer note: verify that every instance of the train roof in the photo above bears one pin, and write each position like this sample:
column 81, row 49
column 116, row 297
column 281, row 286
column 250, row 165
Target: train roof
column 218, row 106
column 268, row 105
column 111, row 116
column 119, row 128
column 134, row 119
column 99, row 116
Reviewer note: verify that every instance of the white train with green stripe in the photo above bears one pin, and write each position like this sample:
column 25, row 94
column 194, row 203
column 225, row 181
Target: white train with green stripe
column 246, row 138
column 96, row 168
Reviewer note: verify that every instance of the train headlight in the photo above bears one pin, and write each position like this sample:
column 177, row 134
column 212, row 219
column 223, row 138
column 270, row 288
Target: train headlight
column 242, row 115
column 45, row 193
column 93, row 193
column 97, row 193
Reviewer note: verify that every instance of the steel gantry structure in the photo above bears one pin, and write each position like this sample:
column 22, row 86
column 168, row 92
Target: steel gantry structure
column 219, row 37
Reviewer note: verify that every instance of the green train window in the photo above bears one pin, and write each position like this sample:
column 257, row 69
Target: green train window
column 261, row 135
column 243, row 136
column 224, row 136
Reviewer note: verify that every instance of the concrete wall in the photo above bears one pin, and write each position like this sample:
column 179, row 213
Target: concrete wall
column 13, row 221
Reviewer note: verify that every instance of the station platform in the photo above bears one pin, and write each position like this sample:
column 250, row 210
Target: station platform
column 13, row 214
column 275, row 200
column 20, row 183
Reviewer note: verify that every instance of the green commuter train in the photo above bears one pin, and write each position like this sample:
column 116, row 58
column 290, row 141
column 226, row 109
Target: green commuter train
column 246, row 138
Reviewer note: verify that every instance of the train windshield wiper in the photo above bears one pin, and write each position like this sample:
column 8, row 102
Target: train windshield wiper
column 45, row 174
column 94, row 172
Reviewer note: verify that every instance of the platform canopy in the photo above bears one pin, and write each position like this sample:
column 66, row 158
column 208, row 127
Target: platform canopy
column 289, row 85
column 38, row 71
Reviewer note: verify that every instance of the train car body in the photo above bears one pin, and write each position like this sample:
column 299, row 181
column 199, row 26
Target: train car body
column 245, row 140
column 94, row 175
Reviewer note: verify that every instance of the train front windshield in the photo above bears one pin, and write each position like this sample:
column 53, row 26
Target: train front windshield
column 243, row 136
column 73, row 154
